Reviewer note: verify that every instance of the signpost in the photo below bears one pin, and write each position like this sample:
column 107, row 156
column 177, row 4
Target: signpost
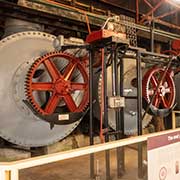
column 164, row 157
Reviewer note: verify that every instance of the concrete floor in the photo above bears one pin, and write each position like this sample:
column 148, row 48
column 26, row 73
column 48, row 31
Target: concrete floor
column 78, row 168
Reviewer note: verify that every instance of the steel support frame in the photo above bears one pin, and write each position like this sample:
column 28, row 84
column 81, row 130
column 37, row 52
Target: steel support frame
column 106, row 122
column 157, row 19
column 91, row 102
column 91, row 119
column 107, row 43
column 139, row 114
column 121, row 120
column 139, row 54
column 152, row 10
column 120, row 115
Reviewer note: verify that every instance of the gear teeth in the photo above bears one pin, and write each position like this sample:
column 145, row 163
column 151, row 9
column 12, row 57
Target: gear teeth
column 146, row 84
column 36, row 63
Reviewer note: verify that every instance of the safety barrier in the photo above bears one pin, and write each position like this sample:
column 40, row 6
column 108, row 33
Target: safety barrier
column 10, row 170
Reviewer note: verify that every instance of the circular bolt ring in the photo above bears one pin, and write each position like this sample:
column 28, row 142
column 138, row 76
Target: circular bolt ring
column 165, row 96
column 60, row 86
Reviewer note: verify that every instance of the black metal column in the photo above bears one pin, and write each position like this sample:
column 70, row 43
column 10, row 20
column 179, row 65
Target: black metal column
column 139, row 115
column 106, row 123
column 152, row 35
column 121, row 121
column 91, row 57
column 120, row 154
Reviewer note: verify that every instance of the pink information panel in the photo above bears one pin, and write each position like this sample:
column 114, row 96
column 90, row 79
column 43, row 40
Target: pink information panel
column 164, row 157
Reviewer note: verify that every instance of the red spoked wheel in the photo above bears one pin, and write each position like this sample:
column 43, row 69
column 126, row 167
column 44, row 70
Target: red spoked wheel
column 59, row 76
column 165, row 96
column 170, row 52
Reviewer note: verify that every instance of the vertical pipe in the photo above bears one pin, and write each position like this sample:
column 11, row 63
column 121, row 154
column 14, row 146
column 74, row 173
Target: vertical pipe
column 91, row 119
column 152, row 34
column 114, row 93
column 122, row 112
column 119, row 113
column 114, row 72
column 106, row 124
column 137, row 11
column 139, row 89
column 122, row 93
column 139, row 115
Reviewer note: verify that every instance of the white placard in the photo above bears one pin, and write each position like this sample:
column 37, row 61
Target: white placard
column 164, row 157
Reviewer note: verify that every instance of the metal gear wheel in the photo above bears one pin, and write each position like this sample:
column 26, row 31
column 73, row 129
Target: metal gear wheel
column 166, row 93
column 62, row 84
column 18, row 124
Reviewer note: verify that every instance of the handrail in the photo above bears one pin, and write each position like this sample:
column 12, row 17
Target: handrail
column 13, row 167
column 50, row 158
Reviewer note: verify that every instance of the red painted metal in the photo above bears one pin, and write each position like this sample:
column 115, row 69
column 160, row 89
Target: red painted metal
column 148, row 3
column 163, row 23
column 166, row 24
column 165, row 96
column 176, row 48
column 103, row 33
column 170, row 52
column 137, row 11
column 157, row 19
column 176, row 45
column 152, row 10
column 61, row 85
column 166, row 14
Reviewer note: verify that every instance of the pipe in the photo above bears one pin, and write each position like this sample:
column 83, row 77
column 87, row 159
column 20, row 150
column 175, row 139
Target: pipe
column 91, row 119
column 137, row 11
column 148, row 3
column 152, row 35
column 164, row 23
column 166, row 14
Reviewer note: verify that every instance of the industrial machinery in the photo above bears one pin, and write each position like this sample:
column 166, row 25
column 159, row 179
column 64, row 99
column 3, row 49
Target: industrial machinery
column 44, row 92
column 50, row 81
column 130, row 89
column 160, row 84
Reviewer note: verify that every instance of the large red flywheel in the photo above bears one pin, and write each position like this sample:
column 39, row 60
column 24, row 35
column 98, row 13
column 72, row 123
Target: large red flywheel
column 165, row 96
column 61, row 85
